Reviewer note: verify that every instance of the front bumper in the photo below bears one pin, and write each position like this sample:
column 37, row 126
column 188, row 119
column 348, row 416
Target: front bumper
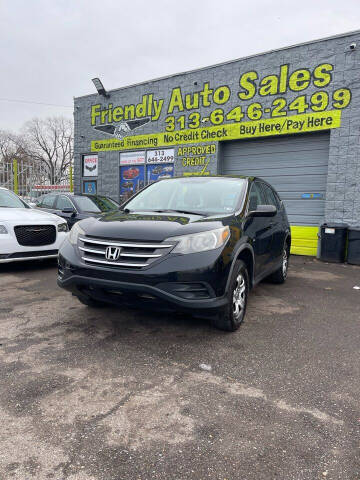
column 26, row 256
column 194, row 282
column 11, row 251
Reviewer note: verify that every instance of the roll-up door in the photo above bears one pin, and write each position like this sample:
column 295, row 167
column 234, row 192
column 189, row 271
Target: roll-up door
column 297, row 167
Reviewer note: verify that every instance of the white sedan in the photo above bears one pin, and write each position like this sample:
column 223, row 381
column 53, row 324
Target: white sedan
column 25, row 233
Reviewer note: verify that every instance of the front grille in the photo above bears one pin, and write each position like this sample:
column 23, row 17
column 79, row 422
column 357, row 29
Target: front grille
column 35, row 235
column 133, row 255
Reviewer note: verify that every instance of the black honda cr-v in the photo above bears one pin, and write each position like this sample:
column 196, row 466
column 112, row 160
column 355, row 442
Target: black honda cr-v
column 197, row 244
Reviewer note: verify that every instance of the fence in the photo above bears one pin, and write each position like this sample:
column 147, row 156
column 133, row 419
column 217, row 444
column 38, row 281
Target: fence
column 30, row 179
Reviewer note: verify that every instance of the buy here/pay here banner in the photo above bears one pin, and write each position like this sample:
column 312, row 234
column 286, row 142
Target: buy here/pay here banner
column 259, row 128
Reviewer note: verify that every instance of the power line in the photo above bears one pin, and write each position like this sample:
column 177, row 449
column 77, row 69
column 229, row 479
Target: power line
column 35, row 103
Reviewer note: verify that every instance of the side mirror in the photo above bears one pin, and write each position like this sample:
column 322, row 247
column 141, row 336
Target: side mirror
column 69, row 210
column 263, row 211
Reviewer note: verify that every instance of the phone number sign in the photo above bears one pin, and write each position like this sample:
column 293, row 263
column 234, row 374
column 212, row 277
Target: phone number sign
column 161, row 156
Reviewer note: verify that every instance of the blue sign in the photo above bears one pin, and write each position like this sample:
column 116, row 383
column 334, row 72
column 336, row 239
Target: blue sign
column 157, row 171
column 312, row 196
column 89, row 187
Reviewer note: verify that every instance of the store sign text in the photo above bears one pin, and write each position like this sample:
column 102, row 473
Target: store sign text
column 184, row 122
column 196, row 155
column 132, row 158
column 161, row 156
column 295, row 124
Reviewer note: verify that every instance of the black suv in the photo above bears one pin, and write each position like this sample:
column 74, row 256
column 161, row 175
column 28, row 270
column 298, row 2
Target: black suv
column 197, row 244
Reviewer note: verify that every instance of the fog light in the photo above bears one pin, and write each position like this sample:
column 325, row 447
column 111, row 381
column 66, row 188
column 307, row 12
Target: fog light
column 188, row 291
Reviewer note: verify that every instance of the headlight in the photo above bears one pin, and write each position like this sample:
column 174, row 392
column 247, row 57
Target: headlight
column 3, row 229
column 74, row 233
column 200, row 242
column 63, row 227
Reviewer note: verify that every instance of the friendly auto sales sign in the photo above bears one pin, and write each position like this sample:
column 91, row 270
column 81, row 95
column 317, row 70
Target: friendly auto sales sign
column 90, row 165
column 286, row 100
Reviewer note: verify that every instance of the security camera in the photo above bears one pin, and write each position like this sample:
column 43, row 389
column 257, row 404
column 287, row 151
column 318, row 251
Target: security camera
column 352, row 46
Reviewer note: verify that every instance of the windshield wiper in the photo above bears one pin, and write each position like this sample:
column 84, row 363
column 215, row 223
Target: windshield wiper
column 192, row 212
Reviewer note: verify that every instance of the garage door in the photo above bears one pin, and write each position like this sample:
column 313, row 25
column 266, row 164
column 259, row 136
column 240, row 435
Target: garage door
column 297, row 167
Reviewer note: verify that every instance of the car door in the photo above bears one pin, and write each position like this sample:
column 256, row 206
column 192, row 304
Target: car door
column 64, row 203
column 47, row 203
column 277, row 224
column 259, row 229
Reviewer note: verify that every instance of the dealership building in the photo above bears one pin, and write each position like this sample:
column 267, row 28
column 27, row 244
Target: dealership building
column 290, row 116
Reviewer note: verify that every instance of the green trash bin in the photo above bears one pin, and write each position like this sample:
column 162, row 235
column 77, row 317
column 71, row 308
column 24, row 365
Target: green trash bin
column 333, row 242
column 353, row 255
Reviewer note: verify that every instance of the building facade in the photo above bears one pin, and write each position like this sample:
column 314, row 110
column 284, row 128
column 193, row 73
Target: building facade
column 290, row 116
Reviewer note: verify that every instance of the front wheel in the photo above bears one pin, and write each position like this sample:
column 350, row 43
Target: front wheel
column 232, row 316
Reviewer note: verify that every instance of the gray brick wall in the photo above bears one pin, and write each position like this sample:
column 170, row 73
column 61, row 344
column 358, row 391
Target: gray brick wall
column 343, row 186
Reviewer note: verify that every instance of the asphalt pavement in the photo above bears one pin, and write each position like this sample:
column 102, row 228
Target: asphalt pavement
column 123, row 394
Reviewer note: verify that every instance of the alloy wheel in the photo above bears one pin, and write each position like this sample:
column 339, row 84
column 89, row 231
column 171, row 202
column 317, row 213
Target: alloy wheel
column 285, row 263
column 239, row 296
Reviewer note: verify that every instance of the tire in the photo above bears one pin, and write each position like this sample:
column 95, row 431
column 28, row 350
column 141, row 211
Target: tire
column 231, row 317
column 91, row 302
column 280, row 275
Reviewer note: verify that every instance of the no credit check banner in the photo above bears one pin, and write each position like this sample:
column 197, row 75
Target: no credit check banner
column 309, row 122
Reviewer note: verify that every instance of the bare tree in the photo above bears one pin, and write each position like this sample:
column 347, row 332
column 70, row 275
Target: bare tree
column 12, row 147
column 50, row 142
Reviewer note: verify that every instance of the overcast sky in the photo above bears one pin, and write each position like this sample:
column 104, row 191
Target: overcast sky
column 50, row 49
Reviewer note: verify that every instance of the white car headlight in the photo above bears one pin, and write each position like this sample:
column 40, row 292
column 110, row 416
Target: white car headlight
column 200, row 242
column 74, row 233
column 62, row 227
column 3, row 229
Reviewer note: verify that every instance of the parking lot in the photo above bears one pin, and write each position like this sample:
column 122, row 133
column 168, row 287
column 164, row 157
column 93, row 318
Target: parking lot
column 121, row 394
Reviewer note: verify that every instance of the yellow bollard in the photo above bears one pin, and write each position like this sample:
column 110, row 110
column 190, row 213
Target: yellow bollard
column 71, row 178
column 15, row 172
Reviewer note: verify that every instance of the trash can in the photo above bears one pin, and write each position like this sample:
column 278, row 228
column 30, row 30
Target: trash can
column 333, row 242
column 353, row 255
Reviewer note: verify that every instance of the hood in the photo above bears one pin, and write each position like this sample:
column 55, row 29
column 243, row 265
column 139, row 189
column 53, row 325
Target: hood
column 147, row 226
column 26, row 215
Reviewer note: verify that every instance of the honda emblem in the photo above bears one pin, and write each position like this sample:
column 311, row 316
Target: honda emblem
column 112, row 253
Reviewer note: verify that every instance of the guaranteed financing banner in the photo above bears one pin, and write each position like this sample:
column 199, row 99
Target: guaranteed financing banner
column 309, row 122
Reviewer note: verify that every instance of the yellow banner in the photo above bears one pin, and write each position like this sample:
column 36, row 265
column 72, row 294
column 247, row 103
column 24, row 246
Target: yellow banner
column 309, row 122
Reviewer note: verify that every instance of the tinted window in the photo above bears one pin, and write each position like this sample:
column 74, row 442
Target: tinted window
column 48, row 201
column 256, row 197
column 95, row 204
column 63, row 202
column 271, row 196
column 203, row 195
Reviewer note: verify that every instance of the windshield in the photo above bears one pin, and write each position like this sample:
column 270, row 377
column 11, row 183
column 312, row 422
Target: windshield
column 96, row 204
column 10, row 200
column 198, row 195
